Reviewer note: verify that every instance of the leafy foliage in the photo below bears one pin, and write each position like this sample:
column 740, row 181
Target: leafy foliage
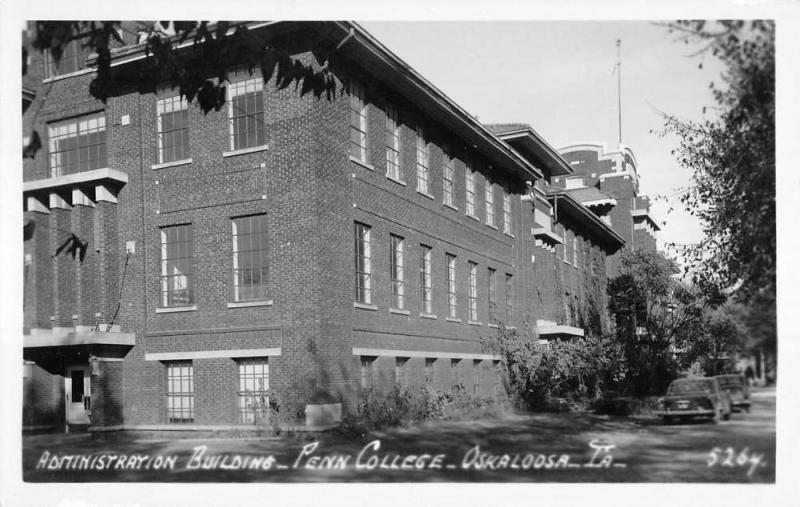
column 547, row 375
column 657, row 319
column 731, row 154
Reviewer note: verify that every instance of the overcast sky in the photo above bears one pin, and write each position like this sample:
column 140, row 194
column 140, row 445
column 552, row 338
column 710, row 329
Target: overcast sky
column 558, row 77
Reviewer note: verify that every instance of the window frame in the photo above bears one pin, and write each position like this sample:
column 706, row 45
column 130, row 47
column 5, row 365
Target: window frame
column 489, row 200
column 358, row 107
column 492, row 294
column 509, row 297
column 72, row 51
column 260, row 411
column 243, row 88
column 171, row 395
column 183, row 107
column 473, row 291
column 393, row 144
column 79, row 128
column 425, row 281
column 188, row 258
column 469, row 190
column 262, row 288
column 397, row 271
column 508, row 217
column 448, row 179
column 363, row 252
column 423, row 161
column 452, row 296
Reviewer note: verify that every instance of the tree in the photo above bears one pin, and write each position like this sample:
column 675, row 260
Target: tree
column 722, row 340
column 731, row 154
column 199, row 72
column 657, row 318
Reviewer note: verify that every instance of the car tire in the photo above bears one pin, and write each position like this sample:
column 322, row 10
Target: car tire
column 726, row 416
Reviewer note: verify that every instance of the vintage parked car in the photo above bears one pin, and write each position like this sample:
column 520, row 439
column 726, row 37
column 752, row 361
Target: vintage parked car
column 736, row 387
column 694, row 397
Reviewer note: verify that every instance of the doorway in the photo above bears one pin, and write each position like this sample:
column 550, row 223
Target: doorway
column 78, row 395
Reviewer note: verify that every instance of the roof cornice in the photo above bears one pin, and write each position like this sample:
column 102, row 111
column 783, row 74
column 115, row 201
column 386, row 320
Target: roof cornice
column 586, row 217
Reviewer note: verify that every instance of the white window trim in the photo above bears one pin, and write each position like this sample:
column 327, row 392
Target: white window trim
column 233, row 90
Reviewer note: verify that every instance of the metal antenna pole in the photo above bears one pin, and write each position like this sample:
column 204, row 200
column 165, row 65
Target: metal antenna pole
column 619, row 89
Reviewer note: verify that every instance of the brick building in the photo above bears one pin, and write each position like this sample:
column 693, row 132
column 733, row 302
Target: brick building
column 284, row 251
column 607, row 181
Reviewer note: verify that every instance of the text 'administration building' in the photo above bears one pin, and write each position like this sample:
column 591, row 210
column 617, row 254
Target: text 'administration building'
column 285, row 250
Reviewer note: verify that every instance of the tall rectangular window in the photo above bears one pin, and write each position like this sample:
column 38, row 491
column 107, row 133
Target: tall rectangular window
column 396, row 268
column 72, row 60
column 392, row 144
column 429, row 371
column 568, row 246
column 363, row 263
column 358, row 122
column 473, row 292
column 425, row 284
column 448, row 177
column 172, row 125
column 180, row 392
column 489, row 203
column 476, row 376
column 455, row 370
column 452, row 309
column 423, row 162
column 509, row 298
column 253, row 390
column 400, row 373
column 507, row 222
column 575, row 250
column 367, row 373
column 492, row 295
column 177, row 279
column 246, row 114
column 469, row 175
column 250, row 258
column 78, row 144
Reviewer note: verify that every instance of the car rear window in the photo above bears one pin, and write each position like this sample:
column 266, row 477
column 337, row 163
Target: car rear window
column 729, row 381
column 690, row 386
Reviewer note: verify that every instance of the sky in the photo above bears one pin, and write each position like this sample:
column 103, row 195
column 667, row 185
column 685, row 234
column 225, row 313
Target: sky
column 558, row 76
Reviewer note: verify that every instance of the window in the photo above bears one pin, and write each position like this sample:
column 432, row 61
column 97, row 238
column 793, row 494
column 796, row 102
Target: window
column 253, row 390
column 172, row 124
column 425, row 286
column 456, row 373
column 363, row 263
column 78, row 144
column 180, row 392
column 451, row 286
column 492, row 295
column 448, row 175
column 509, row 297
column 575, row 250
column 367, row 373
column 396, row 268
column 176, row 266
column 400, row 373
column 72, row 60
column 476, row 376
column 473, row 292
column 423, row 155
column 429, row 369
column 358, row 122
column 489, row 203
column 568, row 246
column 564, row 246
column 250, row 258
column 246, row 114
column 507, row 223
column 392, row 144
column 470, row 186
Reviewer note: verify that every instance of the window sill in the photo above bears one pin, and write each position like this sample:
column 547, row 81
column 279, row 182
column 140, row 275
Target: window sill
column 509, row 234
column 68, row 75
column 495, row 326
column 491, row 225
column 452, row 319
column 399, row 312
column 428, row 316
column 176, row 309
column 244, row 151
column 171, row 164
column 362, row 163
column 474, row 217
column 426, row 194
column 365, row 306
column 451, row 206
column 399, row 182
column 246, row 304
column 474, row 323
